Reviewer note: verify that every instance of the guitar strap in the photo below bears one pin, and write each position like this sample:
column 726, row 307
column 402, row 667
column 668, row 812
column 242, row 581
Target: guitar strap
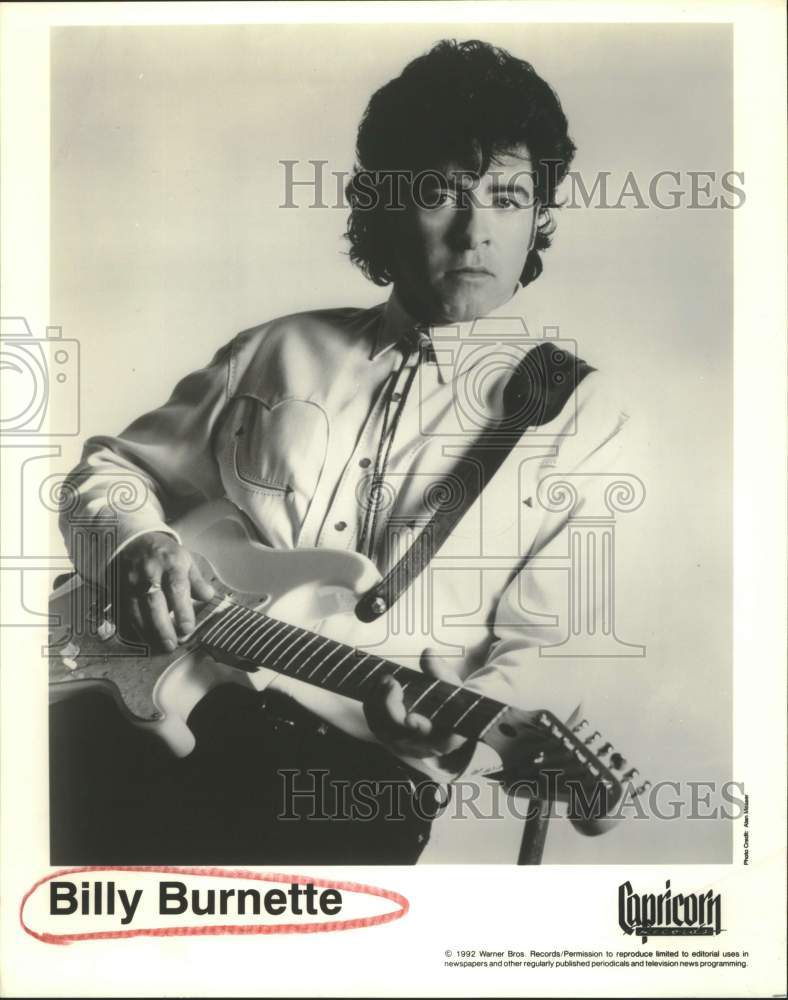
column 540, row 387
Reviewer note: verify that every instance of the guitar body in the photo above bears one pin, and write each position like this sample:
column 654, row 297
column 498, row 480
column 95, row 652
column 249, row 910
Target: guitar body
column 316, row 588
column 284, row 620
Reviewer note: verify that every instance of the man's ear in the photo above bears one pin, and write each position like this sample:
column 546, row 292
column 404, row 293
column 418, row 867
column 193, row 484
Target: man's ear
column 543, row 224
column 534, row 228
column 544, row 220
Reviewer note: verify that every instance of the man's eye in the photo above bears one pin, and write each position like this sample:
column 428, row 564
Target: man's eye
column 442, row 197
column 503, row 201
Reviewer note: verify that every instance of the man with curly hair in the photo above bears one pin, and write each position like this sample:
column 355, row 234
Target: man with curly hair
column 329, row 429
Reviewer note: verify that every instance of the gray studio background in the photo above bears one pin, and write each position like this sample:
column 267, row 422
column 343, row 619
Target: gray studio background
column 167, row 238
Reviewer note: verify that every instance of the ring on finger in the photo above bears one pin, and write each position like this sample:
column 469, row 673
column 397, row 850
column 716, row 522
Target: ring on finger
column 154, row 588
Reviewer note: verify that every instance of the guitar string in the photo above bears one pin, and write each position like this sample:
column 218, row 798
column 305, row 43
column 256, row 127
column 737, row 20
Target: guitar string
column 270, row 629
column 233, row 629
column 241, row 625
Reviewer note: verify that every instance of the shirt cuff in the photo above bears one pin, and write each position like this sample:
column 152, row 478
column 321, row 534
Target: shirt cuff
column 162, row 528
column 92, row 561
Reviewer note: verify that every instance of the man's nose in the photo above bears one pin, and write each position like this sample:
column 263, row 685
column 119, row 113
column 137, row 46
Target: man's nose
column 473, row 227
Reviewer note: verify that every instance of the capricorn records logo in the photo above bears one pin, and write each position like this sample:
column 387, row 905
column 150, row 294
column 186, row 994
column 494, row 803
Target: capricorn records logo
column 682, row 914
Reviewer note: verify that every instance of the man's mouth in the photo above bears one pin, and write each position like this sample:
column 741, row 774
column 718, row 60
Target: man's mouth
column 471, row 272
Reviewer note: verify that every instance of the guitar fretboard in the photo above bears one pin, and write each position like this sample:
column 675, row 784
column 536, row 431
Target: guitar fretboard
column 250, row 639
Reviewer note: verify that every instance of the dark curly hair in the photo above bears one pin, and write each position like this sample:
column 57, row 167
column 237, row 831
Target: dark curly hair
column 463, row 103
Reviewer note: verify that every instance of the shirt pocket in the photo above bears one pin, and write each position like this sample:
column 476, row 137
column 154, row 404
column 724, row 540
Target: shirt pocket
column 277, row 449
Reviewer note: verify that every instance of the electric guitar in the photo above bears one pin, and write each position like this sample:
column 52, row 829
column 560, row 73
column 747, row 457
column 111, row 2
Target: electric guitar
column 253, row 633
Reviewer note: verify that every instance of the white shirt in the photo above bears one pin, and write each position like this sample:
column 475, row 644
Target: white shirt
column 286, row 422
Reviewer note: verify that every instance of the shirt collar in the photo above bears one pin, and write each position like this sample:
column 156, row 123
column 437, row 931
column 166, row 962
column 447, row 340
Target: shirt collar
column 456, row 346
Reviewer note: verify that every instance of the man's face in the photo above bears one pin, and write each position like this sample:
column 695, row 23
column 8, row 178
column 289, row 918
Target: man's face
column 461, row 243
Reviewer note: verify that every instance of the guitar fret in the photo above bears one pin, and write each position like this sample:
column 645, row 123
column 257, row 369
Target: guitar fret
column 299, row 637
column 477, row 718
column 468, row 711
column 313, row 653
column 396, row 670
column 225, row 628
column 445, row 702
column 248, row 631
column 459, row 709
column 429, row 696
column 353, row 668
column 359, row 682
column 287, row 634
column 530, row 744
column 225, row 620
column 215, row 621
column 319, row 665
column 312, row 638
column 254, row 637
column 331, row 671
column 423, row 694
column 235, row 618
column 492, row 709
column 262, row 641
column 499, row 712
column 377, row 666
column 257, row 639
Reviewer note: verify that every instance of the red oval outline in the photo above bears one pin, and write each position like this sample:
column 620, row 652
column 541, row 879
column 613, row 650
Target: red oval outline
column 213, row 929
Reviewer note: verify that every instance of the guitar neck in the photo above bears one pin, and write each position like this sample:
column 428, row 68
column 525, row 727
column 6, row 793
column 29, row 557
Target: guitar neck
column 249, row 639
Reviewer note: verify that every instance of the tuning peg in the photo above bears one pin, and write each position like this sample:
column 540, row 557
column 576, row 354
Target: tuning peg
column 605, row 748
column 630, row 774
column 617, row 761
column 581, row 725
column 594, row 736
column 641, row 788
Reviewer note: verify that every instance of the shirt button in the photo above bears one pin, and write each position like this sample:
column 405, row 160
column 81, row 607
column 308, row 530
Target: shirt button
column 365, row 463
column 340, row 525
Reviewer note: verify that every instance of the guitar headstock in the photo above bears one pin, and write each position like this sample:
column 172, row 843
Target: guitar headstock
column 571, row 763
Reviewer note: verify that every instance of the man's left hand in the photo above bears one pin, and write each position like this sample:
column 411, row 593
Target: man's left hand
column 408, row 733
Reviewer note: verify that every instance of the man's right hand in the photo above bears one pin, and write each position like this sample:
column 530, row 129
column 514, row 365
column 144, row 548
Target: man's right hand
column 159, row 576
